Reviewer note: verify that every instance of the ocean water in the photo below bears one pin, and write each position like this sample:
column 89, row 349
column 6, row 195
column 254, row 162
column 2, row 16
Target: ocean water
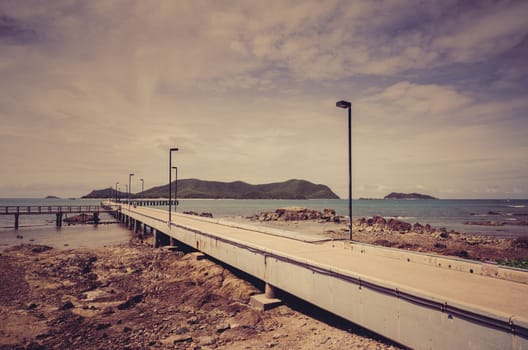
column 40, row 229
column 451, row 214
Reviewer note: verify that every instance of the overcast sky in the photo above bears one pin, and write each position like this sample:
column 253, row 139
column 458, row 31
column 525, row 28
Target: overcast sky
column 91, row 91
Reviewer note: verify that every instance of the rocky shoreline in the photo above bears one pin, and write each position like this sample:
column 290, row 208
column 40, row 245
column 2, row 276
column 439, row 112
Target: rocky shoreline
column 395, row 233
column 137, row 297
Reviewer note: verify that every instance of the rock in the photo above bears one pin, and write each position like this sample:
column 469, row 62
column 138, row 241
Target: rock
column 175, row 339
column 297, row 214
column 131, row 302
column 418, row 228
column 40, row 248
column 192, row 320
column 461, row 253
column 103, row 326
column 206, row 340
column 108, row 310
column 67, row 306
column 205, row 215
column 223, row 327
column 521, row 242
column 182, row 330
column 397, row 225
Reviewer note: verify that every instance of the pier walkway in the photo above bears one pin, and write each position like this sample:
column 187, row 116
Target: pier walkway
column 58, row 210
column 419, row 300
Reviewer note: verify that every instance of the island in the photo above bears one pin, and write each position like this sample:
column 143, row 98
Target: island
column 52, row 197
column 409, row 196
column 195, row 188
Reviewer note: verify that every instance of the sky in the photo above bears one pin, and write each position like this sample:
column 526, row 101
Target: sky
column 91, row 91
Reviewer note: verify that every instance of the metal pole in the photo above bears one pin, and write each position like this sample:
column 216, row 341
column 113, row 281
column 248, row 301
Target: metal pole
column 175, row 188
column 129, row 188
column 170, row 180
column 350, row 167
column 170, row 186
column 117, row 191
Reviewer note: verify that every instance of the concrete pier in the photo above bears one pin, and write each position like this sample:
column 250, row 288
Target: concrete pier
column 419, row 300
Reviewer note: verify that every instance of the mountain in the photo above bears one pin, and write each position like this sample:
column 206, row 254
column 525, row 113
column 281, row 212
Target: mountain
column 105, row 193
column 194, row 188
column 291, row 189
column 396, row 195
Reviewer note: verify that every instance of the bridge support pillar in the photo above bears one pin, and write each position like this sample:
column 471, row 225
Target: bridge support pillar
column 265, row 301
column 58, row 219
column 16, row 221
column 96, row 218
column 269, row 291
column 156, row 238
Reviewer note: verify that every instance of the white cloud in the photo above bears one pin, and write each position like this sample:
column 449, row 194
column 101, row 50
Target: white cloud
column 246, row 89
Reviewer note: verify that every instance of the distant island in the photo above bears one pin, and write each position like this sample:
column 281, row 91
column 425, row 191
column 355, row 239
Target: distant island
column 52, row 197
column 396, row 195
column 194, row 188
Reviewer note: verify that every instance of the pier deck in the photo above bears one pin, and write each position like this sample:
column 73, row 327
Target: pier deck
column 402, row 295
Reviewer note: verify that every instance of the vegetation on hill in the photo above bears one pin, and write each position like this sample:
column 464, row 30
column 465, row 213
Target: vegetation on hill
column 194, row 188
column 396, row 195
column 105, row 193
column 291, row 189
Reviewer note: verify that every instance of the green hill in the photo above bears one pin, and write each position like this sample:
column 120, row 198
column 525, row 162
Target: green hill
column 194, row 188
column 105, row 193
column 396, row 195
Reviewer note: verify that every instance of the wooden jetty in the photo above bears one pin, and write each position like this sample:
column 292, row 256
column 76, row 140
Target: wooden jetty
column 58, row 210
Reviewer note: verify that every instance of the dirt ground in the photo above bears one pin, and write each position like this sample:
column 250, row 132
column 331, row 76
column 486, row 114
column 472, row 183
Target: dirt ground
column 137, row 297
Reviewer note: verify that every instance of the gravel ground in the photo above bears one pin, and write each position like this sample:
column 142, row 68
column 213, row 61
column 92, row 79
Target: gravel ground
column 137, row 297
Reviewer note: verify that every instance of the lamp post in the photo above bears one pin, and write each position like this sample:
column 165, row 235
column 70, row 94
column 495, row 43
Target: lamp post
column 129, row 188
column 348, row 105
column 142, row 186
column 174, row 149
column 117, row 192
column 175, row 188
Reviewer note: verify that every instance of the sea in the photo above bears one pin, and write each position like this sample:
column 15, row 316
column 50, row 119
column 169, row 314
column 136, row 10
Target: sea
column 451, row 214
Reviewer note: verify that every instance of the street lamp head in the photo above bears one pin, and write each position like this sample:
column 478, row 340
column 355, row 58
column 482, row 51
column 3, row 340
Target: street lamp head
column 173, row 149
column 343, row 104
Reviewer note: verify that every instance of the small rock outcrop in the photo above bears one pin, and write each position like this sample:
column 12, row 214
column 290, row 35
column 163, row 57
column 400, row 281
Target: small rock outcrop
column 379, row 223
column 298, row 214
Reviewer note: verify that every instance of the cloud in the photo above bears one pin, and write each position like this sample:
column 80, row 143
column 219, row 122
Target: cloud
column 483, row 31
column 248, row 89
